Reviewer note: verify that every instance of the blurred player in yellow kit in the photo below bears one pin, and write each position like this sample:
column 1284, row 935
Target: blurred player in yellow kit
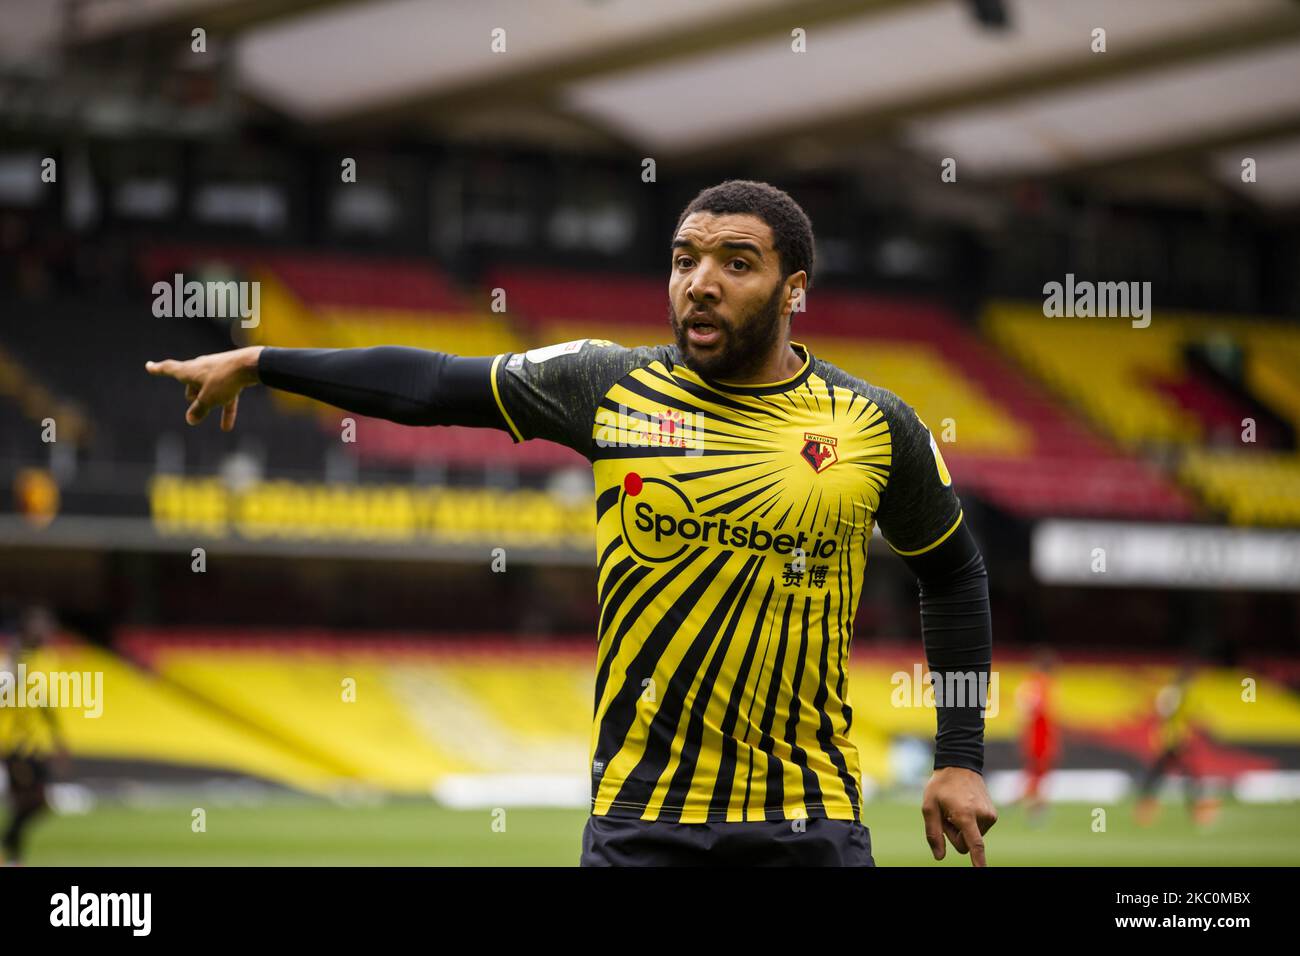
column 1171, row 740
column 24, row 733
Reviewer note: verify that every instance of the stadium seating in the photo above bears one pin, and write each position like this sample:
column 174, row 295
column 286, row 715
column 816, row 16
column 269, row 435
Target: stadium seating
column 1137, row 384
column 25, row 403
column 321, row 278
column 146, row 717
column 89, row 360
column 1006, row 440
column 1271, row 372
column 1261, row 488
column 402, row 713
column 299, row 314
column 592, row 299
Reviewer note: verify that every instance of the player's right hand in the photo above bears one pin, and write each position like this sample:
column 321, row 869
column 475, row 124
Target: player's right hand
column 212, row 381
column 956, row 805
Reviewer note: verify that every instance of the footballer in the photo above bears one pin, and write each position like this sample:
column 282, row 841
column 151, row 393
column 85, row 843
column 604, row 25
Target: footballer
column 738, row 479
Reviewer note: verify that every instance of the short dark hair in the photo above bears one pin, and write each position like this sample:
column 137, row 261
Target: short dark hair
column 792, row 234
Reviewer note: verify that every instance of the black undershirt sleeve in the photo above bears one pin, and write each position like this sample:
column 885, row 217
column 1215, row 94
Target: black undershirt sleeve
column 405, row 385
column 920, row 517
column 957, row 629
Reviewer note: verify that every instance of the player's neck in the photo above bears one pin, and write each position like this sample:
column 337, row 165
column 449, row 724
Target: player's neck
column 783, row 364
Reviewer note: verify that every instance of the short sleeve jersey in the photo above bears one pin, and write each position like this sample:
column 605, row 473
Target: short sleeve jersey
column 732, row 527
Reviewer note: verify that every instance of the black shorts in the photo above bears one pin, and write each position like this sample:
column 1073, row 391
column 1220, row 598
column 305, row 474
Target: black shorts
column 621, row 841
column 26, row 773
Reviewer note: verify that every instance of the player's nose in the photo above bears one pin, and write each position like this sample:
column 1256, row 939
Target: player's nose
column 704, row 286
column 702, row 296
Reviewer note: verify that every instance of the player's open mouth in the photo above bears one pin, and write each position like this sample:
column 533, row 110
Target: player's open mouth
column 703, row 333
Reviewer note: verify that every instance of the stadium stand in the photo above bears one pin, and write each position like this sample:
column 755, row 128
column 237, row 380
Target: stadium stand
column 1007, row 440
column 429, row 710
column 1257, row 489
column 304, row 310
column 1140, row 386
column 82, row 361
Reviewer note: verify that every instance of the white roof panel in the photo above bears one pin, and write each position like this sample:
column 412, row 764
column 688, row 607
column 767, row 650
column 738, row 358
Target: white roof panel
column 871, row 61
column 1114, row 117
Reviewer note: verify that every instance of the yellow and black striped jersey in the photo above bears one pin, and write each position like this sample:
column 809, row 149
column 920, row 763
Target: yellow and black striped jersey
column 732, row 529
column 1173, row 727
column 25, row 729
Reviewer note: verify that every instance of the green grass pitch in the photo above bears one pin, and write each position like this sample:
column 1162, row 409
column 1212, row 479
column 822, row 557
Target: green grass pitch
column 420, row 834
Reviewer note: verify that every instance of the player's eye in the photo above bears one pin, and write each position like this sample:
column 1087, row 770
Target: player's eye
column 683, row 262
column 740, row 262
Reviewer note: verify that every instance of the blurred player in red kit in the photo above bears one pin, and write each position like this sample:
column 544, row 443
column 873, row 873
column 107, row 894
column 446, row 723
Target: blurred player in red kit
column 1040, row 742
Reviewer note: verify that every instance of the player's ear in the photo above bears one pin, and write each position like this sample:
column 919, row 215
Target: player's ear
column 796, row 290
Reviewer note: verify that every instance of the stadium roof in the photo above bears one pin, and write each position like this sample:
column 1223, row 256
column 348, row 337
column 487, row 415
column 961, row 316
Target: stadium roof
column 1007, row 86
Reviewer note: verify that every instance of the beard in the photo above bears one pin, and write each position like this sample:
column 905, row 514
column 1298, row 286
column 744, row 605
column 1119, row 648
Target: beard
column 743, row 346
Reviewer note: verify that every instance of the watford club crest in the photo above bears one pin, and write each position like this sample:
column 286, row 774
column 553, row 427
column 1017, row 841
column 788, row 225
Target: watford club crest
column 819, row 451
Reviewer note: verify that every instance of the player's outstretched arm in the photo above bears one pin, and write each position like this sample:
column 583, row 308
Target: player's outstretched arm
column 405, row 385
